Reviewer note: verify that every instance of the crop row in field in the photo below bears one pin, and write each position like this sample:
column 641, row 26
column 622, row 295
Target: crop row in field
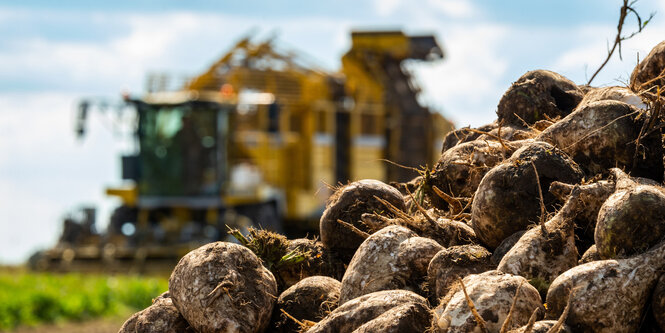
column 33, row 298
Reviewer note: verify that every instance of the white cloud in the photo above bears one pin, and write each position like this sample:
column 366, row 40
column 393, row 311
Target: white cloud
column 386, row 7
column 454, row 8
column 587, row 52
column 27, row 222
column 44, row 171
column 187, row 44
column 590, row 49
column 122, row 60
column 466, row 84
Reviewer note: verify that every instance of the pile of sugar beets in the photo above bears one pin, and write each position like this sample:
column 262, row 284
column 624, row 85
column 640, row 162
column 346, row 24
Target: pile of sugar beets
column 550, row 219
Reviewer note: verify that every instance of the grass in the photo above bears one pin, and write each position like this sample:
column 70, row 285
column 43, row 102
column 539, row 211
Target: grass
column 30, row 299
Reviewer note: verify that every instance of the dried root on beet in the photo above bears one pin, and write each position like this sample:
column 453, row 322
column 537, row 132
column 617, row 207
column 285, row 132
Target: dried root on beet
column 444, row 231
column 592, row 197
column 465, row 134
column 547, row 250
column 511, row 133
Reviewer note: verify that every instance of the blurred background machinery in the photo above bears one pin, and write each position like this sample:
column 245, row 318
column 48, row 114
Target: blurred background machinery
column 258, row 139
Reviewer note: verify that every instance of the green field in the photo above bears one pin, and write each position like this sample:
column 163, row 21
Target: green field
column 28, row 298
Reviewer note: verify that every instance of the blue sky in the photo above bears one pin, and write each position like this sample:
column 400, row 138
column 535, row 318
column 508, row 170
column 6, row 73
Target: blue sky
column 54, row 52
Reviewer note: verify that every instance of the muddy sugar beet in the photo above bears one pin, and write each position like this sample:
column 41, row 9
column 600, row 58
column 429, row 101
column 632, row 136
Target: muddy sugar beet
column 381, row 311
column 507, row 198
column 161, row 317
column 492, row 294
column 309, row 300
column 631, row 220
column 538, row 95
column 223, row 287
column 392, row 258
column 348, row 204
column 607, row 295
column 547, row 250
column 601, row 135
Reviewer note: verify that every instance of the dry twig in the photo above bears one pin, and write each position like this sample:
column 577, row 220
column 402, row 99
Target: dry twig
column 626, row 8
column 304, row 325
column 469, row 301
column 543, row 229
column 455, row 204
column 506, row 323
column 495, row 137
column 420, row 208
column 353, row 229
column 393, row 209
column 559, row 323
column 532, row 321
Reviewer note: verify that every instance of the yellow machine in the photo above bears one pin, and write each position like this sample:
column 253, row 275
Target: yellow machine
column 257, row 139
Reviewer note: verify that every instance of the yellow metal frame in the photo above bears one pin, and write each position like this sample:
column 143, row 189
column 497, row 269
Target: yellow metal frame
column 299, row 158
column 128, row 195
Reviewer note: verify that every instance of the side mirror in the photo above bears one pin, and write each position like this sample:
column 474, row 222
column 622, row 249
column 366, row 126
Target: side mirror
column 81, row 118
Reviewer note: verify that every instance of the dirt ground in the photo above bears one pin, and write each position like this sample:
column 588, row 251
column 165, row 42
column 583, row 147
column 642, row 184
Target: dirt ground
column 106, row 325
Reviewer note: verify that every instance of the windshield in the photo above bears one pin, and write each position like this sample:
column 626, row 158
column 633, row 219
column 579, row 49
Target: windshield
column 179, row 154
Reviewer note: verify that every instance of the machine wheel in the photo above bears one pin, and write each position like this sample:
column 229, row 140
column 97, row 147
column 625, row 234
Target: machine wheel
column 121, row 215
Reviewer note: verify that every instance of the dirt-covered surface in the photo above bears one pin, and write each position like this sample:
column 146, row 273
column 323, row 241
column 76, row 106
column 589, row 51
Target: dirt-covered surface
column 311, row 300
column 410, row 313
column 546, row 250
column 454, row 263
column 607, row 295
column 392, row 258
column 538, row 95
column 602, row 135
column 649, row 72
column 223, row 286
column 492, row 293
column 347, row 205
column 507, row 198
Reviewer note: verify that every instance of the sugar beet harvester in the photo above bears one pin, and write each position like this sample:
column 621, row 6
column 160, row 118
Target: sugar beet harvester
column 253, row 141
